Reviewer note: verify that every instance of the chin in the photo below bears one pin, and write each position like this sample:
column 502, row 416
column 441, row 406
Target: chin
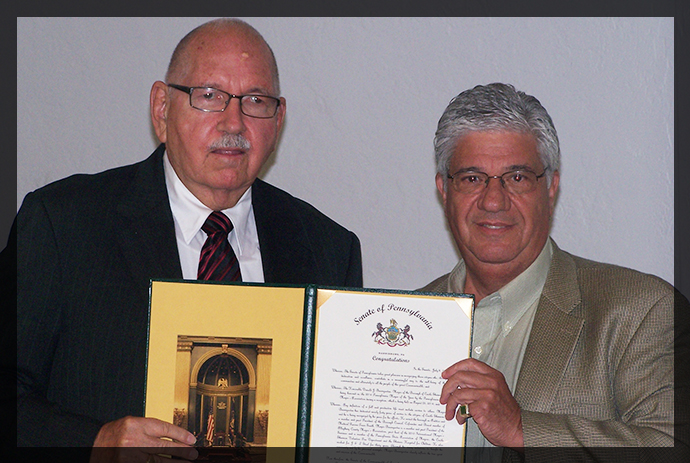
column 495, row 256
column 229, row 179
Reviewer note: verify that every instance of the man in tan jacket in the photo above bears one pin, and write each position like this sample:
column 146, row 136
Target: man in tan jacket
column 567, row 352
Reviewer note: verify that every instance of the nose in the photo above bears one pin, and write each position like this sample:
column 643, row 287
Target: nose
column 494, row 197
column 231, row 120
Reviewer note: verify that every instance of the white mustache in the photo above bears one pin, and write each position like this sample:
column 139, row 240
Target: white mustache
column 231, row 141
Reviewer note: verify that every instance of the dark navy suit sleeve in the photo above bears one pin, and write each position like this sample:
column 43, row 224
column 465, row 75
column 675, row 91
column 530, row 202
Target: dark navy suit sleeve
column 40, row 306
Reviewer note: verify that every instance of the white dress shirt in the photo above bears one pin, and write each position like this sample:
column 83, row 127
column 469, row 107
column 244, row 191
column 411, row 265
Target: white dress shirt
column 502, row 324
column 189, row 215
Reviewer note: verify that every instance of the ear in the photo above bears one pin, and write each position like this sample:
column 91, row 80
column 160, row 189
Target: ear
column 440, row 180
column 280, row 117
column 553, row 190
column 159, row 101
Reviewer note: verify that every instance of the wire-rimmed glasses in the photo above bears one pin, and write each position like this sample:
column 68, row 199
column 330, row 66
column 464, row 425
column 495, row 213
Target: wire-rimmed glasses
column 209, row 99
column 517, row 182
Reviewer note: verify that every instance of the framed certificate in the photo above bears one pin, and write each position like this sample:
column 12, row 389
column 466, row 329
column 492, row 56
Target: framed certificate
column 259, row 366
column 376, row 376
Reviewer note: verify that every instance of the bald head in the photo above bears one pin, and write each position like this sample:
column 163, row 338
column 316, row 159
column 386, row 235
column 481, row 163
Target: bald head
column 227, row 29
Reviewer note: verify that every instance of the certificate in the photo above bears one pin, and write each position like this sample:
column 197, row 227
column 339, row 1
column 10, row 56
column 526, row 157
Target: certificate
column 378, row 359
column 251, row 366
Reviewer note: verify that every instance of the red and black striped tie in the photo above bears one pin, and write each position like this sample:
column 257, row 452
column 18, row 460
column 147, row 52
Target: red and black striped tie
column 218, row 261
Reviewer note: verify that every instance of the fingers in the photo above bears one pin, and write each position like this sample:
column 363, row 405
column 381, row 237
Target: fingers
column 157, row 429
column 460, row 375
column 465, row 373
column 462, row 414
column 458, row 401
column 484, row 389
column 454, row 410
column 469, row 364
column 452, row 386
column 469, row 381
column 465, row 379
column 149, row 436
column 470, row 373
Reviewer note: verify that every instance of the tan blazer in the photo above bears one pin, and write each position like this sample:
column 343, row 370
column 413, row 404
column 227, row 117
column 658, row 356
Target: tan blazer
column 598, row 369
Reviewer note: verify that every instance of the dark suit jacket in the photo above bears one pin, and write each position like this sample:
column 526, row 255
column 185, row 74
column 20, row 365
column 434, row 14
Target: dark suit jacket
column 598, row 369
column 87, row 247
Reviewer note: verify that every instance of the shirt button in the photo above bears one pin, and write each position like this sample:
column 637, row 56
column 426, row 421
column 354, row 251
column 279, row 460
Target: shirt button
column 478, row 350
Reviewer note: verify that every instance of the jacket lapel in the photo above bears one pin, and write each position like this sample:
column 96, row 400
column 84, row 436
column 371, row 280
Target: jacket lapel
column 285, row 252
column 554, row 334
column 147, row 235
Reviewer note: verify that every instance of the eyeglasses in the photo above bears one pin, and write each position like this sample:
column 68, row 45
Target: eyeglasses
column 518, row 182
column 212, row 100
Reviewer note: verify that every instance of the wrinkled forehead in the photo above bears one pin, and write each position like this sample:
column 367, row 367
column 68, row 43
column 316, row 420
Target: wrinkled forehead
column 495, row 149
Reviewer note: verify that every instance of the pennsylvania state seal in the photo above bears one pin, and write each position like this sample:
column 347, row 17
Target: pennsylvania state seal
column 392, row 335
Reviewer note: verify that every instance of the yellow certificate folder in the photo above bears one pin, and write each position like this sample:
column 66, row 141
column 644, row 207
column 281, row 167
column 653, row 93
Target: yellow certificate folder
column 224, row 361
column 238, row 364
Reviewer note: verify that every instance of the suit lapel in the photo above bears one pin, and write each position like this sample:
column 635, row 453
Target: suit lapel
column 147, row 235
column 554, row 334
column 285, row 252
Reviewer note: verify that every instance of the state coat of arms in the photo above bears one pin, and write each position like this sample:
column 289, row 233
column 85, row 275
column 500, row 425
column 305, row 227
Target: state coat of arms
column 392, row 335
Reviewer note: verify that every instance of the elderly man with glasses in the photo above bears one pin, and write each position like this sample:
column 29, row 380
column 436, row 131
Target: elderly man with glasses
column 567, row 352
column 88, row 245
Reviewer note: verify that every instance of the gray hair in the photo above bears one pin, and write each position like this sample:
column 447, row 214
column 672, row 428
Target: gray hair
column 179, row 60
column 496, row 106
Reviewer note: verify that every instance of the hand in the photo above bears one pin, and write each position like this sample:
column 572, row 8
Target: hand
column 489, row 400
column 144, row 438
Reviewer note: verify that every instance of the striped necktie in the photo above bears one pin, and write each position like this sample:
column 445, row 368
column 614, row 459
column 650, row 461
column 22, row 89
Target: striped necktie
column 218, row 261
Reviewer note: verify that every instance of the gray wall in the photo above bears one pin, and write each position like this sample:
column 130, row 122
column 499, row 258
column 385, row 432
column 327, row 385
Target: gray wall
column 364, row 96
